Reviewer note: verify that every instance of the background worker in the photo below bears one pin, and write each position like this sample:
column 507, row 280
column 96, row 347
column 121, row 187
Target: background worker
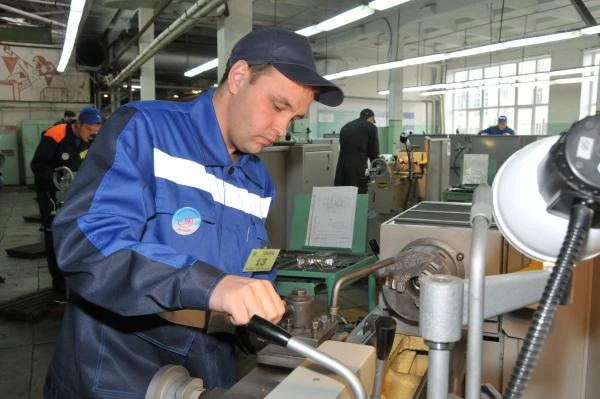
column 65, row 144
column 358, row 143
column 68, row 117
column 500, row 129
column 161, row 221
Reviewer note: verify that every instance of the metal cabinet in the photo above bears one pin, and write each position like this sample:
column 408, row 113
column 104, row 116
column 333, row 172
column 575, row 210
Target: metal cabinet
column 295, row 169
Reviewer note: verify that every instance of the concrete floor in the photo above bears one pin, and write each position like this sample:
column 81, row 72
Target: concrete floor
column 26, row 347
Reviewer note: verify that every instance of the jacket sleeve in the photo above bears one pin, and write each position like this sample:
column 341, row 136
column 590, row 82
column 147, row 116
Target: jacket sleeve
column 373, row 146
column 42, row 163
column 98, row 232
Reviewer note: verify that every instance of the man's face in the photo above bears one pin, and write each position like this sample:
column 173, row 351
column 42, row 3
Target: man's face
column 262, row 109
column 86, row 131
column 501, row 125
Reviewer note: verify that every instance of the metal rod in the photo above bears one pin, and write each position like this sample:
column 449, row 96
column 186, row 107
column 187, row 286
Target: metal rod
column 200, row 9
column 438, row 374
column 50, row 3
column 334, row 308
column 481, row 216
column 379, row 374
column 31, row 16
column 330, row 363
column 476, row 298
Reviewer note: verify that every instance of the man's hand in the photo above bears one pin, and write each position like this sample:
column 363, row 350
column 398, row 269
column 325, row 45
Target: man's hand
column 243, row 297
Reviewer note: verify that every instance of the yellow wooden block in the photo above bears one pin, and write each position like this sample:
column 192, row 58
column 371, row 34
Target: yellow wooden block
column 419, row 366
column 399, row 385
column 403, row 361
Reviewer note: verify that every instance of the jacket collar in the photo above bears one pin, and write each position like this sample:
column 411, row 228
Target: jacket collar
column 213, row 149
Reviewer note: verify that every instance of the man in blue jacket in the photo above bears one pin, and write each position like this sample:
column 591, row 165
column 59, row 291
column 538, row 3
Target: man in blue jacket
column 161, row 220
column 500, row 129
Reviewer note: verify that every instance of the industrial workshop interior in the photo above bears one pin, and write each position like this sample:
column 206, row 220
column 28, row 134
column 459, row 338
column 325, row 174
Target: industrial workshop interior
column 298, row 199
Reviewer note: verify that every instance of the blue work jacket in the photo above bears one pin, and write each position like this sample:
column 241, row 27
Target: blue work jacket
column 156, row 216
column 495, row 131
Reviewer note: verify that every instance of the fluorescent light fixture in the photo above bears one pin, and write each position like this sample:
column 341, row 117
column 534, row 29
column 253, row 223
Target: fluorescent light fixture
column 434, row 93
column 592, row 30
column 207, row 66
column 345, row 18
column 381, row 5
column 75, row 14
column 383, row 92
column 565, row 81
column 574, row 71
column 342, row 19
column 488, row 48
column 175, row 95
column 309, row 31
column 535, row 40
column 216, row 85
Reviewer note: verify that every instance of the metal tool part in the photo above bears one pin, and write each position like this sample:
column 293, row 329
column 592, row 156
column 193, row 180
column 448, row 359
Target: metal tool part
column 302, row 324
column 421, row 258
column 301, row 306
column 174, row 382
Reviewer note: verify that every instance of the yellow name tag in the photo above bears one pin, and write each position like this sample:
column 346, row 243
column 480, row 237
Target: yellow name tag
column 261, row 260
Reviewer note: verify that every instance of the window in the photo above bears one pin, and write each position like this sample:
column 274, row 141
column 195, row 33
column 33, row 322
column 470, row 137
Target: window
column 589, row 87
column 525, row 104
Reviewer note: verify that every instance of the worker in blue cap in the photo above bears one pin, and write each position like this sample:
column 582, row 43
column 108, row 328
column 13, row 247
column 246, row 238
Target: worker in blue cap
column 164, row 228
column 501, row 129
column 65, row 144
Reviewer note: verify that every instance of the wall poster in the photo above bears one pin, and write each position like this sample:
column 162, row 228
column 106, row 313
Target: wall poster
column 29, row 74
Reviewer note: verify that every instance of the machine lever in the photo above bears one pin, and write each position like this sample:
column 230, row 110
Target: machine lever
column 269, row 331
column 279, row 336
column 385, row 330
column 374, row 246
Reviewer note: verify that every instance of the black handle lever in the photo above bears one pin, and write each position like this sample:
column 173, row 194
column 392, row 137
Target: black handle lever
column 374, row 246
column 269, row 331
column 385, row 329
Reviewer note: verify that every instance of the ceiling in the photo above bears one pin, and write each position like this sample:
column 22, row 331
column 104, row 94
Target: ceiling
column 425, row 27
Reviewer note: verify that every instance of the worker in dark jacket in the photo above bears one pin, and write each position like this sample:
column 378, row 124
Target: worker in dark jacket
column 358, row 142
column 64, row 144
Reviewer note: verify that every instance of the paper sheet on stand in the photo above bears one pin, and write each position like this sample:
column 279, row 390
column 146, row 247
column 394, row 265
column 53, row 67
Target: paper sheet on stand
column 331, row 217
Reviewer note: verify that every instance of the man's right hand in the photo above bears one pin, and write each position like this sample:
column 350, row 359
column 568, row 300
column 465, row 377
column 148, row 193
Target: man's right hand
column 243, row 297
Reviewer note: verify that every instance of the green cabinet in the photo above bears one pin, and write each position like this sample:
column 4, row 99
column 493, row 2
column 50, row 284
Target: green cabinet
column 31, row 133
column 9, row 146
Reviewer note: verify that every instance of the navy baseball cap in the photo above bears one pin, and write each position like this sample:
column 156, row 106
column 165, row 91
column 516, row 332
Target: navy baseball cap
column 291, row 54
column 502, row 118
column 90, row 115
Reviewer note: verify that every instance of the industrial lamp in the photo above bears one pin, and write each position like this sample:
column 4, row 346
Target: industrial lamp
column 546, row 201
column 534, row 188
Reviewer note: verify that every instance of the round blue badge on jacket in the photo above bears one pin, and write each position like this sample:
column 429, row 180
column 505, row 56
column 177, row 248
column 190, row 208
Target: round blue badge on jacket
column 186, row 221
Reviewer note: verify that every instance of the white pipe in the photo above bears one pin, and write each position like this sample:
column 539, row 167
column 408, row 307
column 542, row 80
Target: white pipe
column 50, row 3
column 200, row 9
column 30, row 15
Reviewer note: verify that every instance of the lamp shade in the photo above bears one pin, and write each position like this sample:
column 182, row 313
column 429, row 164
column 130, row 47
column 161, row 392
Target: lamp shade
column 520, row 210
